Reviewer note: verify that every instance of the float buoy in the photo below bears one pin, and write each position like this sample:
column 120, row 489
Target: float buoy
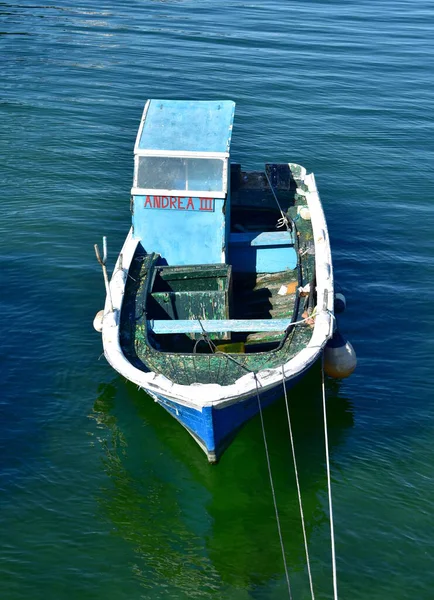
column 304, row 212
column 340, row 359
column 97, row 322
column 340, row 303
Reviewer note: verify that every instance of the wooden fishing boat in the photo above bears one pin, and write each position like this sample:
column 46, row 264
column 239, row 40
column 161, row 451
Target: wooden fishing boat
column 223, row 290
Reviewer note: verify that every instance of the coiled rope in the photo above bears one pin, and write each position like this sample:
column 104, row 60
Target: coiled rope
column 283, row 221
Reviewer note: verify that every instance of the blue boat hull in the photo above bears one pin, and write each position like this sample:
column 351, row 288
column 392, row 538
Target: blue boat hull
column 214, row 428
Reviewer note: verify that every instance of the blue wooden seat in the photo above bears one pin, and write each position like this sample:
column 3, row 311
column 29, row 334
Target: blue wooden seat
column 262, row 239
column 218, row 325
column 262, row 252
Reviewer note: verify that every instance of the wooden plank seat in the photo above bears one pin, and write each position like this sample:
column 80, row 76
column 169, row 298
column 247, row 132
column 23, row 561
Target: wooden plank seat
column 262, row 239
column 166, row 326
column 262, row 252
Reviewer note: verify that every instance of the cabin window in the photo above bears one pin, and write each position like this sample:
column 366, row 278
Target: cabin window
column 186, row 174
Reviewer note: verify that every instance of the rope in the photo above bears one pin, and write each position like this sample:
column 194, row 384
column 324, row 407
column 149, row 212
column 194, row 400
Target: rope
column 204, row 337
column 273, row 491
column 298, row 488
column 329, row 486
column 214, row 350
column 284, row 219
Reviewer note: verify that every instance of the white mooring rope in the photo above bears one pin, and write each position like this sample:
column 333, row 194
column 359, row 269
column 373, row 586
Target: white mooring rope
column 329, row 485
column 298, row 488
column 272, row 491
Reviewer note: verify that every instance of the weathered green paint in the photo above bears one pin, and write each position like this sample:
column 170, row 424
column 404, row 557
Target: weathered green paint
column 191, row 292
column 195, row 277
column 189, row 306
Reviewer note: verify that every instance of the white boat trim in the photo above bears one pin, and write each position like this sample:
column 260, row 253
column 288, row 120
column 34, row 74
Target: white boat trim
column 135, row 191
column 183, row 193
column 181, row 154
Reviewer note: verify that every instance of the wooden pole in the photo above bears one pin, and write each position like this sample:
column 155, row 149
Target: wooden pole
column 102, row 262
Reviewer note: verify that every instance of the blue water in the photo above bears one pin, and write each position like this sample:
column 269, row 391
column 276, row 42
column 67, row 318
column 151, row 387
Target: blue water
column 103, row 495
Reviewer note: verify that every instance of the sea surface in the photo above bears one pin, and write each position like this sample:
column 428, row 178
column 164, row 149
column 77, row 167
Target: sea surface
column 103, row 495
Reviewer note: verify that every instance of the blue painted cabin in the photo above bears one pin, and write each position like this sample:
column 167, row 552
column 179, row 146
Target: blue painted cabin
column 180, row 189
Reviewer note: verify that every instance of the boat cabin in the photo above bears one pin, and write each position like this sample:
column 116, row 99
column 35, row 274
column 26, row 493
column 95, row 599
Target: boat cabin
column 180, row 190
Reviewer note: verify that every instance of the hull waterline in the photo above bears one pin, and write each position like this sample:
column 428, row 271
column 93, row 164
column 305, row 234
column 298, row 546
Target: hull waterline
column 214, row 428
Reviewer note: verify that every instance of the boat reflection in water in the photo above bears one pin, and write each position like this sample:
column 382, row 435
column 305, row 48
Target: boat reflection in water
column 196, row 528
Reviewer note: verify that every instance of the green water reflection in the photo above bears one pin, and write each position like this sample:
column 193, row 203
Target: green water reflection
column 200, row 527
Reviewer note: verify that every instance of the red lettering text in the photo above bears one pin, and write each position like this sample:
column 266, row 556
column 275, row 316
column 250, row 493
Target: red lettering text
column 179, row 203
column 206, row 204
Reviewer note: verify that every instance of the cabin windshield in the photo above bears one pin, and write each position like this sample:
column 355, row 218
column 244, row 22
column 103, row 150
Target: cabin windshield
column 182, row 174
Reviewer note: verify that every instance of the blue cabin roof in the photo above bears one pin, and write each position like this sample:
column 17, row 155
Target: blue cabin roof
column 186, row 126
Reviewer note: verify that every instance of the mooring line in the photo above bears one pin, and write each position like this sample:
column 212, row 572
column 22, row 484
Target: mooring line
column 298, row 487
column 282, row 546
column 329, row 486
column 283, row 221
